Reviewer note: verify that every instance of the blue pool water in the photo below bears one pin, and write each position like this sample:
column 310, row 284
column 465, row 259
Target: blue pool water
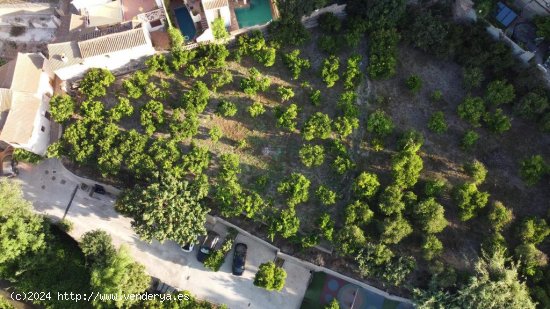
column 185, row 23
column 258, row 13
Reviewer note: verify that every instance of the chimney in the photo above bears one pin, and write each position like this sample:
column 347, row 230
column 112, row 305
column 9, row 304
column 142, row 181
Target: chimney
column 63, row 58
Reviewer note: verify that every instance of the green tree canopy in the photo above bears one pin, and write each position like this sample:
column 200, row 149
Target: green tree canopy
column 296, row 188
column 366, row 185
column 270, row 277
column 165, row 209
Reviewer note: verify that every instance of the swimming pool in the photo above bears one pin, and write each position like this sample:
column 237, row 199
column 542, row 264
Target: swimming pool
column 258, row 13
column 185, row 23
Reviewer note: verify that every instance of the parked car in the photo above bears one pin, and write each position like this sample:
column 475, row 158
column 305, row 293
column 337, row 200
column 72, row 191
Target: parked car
column 239, row 259
column 207, row 245
column 157, row 286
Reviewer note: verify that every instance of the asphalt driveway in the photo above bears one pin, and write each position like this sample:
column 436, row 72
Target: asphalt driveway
column 50, row 187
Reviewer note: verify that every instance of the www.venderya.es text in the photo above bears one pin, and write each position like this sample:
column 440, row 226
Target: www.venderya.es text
column 94, row 296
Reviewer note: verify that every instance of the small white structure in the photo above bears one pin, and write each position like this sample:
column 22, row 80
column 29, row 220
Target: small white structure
column 70, row 60
column 26, row 86
column 217, row 8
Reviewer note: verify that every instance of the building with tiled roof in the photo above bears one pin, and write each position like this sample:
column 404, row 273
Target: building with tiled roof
column 26, row 86
column 70, row 60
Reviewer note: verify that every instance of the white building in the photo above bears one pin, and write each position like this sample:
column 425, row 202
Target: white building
column 70, row 60
column 26, row 86
column 217, row 8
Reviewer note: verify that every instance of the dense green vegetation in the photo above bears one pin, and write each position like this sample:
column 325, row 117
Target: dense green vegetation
column 284, row 132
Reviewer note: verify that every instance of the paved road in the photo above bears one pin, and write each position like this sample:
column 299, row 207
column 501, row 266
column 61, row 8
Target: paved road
column 50, row 187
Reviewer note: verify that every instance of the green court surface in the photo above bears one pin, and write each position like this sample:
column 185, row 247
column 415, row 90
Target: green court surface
column 258, row 13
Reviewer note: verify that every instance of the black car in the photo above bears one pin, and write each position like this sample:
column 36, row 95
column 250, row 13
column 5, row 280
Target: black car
column 239, row 259
column 207, row 245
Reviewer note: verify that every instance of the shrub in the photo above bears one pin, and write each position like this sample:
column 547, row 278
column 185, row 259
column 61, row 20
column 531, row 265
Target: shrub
column 286, row 93
column 325, row 195
column 254, row 82
column 22, row 155
column 349, row 240
column 469, row 140
column 256, row 109
column 181, row 57
column 391, row 200
column 287, row 224
column 379, row 123
column 62, row 108
column 295, row 64
column 434, row 187
column 226, row 109
column 312, row 155
column 432, row 247
column 65, row 225
column 123, row 109
column 196, row 99
column 437, row 123
column 95, row 83
column 287, row 118
column 499, row 92
column 270, row 277
column 152, row 115
column 472, row 110
column 383, row 53
column 344, row 126
column 531, row 105
column 317, row 125
column 220, row 79
column 414, row 83
column 431, row 216
column 406, row 168
column 329, row 72
column 472, row 77
column 366, row 185
column 254, row 44
column 436, row 96
column 394, row 229
column 296, row 188
column 500, row 216
column 218, row 29
column 215, row 260
column 534, row 230
column 469, row 200
column 176, row 38
column 158, row 63
column 215, row 134
column 532, row 259
column 357, row 213
column 329, row 44
column 533, row 169
column 477, row 171
column 326, row 225
column 498, row 122
column 353, row 74
column 315, row 97
column 328, row 22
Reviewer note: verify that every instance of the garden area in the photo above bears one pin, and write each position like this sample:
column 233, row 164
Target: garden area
column 413, row 148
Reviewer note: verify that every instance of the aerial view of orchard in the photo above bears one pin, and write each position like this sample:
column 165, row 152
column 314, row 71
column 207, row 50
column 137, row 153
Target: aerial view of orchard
column 413, row 148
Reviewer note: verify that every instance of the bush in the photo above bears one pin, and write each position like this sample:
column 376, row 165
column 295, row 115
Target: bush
column 215, row 134
column 152, row 116
column 296, row 187
column 349, row 240
column 226, row 109
column 326, row 226
column 312, row 155
column 394, row 229
column 62, row 108
column 532, row 259
column 123, row 109
column 437, row 123
column 472, row 110
column 432, row 247
column 328, row 22
column 469, row 140
column 325, row 195
column 195, row 100
column 366, row 185
column 431, row 216
column 256, row 109
column 22, row 155
column 95, row 83
column 477, row 171
column 220, row 79
column 254, row 82
column 353, row 74
column 218, row 29
column 357, row 213
column 287, row 118
column 499, row 92
column 391, row 200
column 270, row 277
column 472, row 77
column 215, row 260
column 500, row 216
column 329, row 72
column 434, row 187
column 295, row 64
column 315, row 97
column 65, row 225
column 534, row 230
column 533, row 169
column 286, row 93
column 383, row 53
column 436, row 96
column 406, row 168
column 317, row 125
column 531, row 105
column 414, row 83
column 379, row 123
column 176, row 38
column 254, row 44
column 498, row 122
column 158, row 63
column 344, row 126
column 469, row 200
column 329, row 44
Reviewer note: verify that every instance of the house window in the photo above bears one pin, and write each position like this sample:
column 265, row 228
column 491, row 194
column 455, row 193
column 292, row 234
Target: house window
column 43, row 129
column 48, row 115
